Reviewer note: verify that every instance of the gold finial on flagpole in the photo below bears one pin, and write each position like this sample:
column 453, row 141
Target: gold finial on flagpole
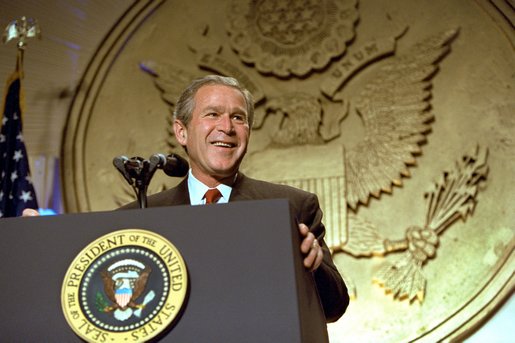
column 22, row 29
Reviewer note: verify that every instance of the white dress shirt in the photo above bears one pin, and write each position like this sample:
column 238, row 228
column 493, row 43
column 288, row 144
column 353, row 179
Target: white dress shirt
column 197, row 191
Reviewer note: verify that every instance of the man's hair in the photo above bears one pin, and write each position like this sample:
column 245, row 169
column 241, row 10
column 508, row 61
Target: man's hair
column 186, row 103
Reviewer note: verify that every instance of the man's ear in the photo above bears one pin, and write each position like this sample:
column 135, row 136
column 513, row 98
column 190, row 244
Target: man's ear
column 181, row 132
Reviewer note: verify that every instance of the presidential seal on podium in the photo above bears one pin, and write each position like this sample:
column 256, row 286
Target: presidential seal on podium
column 127, row 285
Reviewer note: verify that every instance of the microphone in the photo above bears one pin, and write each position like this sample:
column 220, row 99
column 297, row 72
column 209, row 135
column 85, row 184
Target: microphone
column 172, row 165
column 119, row 163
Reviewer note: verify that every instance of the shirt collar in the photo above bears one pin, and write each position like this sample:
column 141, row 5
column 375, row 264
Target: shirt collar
column 197, row 190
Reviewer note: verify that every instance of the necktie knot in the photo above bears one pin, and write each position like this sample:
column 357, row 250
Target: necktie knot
column 212, row 195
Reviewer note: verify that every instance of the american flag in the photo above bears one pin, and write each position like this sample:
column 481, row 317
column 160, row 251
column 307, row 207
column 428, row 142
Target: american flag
column 16, row 189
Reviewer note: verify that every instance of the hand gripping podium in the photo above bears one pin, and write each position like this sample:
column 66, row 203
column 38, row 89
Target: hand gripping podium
column 246, row 281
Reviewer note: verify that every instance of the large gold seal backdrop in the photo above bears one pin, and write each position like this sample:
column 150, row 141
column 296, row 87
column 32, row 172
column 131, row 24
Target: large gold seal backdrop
column 398, row 114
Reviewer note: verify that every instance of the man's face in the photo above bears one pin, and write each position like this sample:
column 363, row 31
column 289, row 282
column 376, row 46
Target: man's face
column 217, row 135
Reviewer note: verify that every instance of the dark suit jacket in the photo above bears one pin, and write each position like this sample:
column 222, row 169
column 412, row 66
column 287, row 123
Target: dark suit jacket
column 331, row 288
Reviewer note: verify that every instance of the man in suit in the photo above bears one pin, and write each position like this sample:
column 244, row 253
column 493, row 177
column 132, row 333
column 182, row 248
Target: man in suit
column 212, row 121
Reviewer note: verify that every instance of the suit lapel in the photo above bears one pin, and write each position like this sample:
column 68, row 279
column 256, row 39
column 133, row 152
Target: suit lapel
column 242, row 189
column 182, row 195
column 177, row 195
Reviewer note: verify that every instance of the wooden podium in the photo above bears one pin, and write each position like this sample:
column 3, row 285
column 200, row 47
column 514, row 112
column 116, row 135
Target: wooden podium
column 246, row 279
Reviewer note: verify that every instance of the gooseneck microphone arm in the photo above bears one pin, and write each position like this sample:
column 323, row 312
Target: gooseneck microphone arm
column 138, row 172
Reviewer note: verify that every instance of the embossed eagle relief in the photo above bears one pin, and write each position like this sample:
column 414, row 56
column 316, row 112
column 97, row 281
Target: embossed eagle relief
column 288, row 39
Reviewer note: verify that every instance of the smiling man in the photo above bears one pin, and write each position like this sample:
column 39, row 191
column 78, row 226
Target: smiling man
column 212, row 121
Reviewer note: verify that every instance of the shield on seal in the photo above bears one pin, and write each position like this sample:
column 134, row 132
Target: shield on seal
column 123, row 296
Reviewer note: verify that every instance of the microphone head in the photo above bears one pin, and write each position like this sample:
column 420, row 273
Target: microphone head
column 158, row 159
column 119, row 163
column 176, row 166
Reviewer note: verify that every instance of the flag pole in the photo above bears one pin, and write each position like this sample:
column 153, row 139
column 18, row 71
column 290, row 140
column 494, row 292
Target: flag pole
column 16, row 188
column 21, row 29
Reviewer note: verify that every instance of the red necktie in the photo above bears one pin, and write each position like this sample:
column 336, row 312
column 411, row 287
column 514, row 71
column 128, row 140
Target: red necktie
column 212, row 195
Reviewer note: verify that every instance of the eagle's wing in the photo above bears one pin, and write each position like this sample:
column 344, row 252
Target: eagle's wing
column 10, row 32
column 396, row 113
column 108, row 285
column 171, row 80
column 140, row 283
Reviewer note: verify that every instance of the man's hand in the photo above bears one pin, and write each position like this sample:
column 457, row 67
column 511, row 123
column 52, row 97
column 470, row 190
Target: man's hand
column 29, row 212
column 310, row 248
